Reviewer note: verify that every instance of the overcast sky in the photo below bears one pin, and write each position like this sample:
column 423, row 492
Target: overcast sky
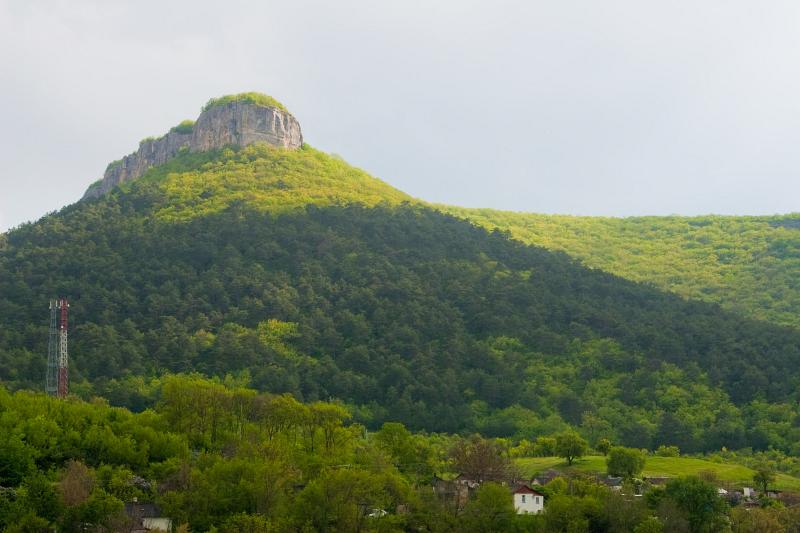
column 582, row 107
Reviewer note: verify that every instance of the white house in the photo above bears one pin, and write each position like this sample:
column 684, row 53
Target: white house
column 527, row 500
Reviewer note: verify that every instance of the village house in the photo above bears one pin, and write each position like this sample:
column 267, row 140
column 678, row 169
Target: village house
column 458, row 491
column 527, row 500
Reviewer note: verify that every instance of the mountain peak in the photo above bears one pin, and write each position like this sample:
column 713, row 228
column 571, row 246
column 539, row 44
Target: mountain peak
column 239, row 120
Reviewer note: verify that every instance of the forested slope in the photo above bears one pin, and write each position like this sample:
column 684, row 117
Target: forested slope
column 313, row 278
column 749, row 265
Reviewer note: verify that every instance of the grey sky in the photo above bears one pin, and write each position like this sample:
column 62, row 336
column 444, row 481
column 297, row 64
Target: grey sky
column 583, row 107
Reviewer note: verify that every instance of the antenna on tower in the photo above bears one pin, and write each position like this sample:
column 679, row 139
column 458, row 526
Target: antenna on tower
column 57, row 379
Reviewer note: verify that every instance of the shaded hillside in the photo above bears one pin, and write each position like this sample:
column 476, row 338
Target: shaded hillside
column 321, row 281
column 749, row 265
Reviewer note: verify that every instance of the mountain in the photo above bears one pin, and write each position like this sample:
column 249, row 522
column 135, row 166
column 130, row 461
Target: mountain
column 296, row 272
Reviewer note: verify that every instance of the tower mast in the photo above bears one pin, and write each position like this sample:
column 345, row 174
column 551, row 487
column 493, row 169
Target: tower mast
column 57, row 379
column 51, row 384
column 63, row 357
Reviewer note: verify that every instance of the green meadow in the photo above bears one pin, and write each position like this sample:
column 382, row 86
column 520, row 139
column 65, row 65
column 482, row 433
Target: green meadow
column 729, row 473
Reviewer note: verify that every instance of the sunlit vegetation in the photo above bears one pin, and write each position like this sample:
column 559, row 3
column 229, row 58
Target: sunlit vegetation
column 186, row 126
column 254, row 98
column 215, row 455
column 661, row 467
column 746, row 264
column 260, row 177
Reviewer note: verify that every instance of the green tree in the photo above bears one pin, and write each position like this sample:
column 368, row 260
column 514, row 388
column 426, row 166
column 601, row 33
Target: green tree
column 16, row 460
column 755, row 520
column 570, row 446
column 603, row 446
column 763, row 476
column 480, row 459
column 651, row 524
column 490, row 510
column 625, row 462
column 545, row 446
column 38, row 495
column 30, row 523
column 698, row 499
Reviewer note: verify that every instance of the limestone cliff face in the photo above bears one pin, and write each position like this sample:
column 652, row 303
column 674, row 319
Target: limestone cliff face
column 233, row 123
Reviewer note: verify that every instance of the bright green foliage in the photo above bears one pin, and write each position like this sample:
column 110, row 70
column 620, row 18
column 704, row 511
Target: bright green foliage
column 725, row 469
column 603, row 446
column 572, row 514
column 16, row 459
column 668, row 451
column 262, row 177
column 250, row 98
column 650, row 525
column 410, row 453
column 698, row 499
column 218, row 456
column 755, row 520
column 342, row 500
column 746, row 264
column 491, row 510
column 186, row 126
column 765, row 474
column 625, row 462
column 250, row 452
column 570, row 446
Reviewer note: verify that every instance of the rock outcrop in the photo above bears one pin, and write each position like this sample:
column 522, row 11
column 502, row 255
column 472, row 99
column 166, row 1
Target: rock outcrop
column 237, row 123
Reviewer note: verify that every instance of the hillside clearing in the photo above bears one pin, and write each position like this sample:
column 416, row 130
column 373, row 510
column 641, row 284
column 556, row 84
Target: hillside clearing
column 660, row 467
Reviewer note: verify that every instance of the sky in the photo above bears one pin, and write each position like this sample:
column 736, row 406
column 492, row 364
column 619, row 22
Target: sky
column 612, row 108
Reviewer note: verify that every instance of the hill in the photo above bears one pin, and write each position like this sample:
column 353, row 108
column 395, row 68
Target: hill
column 295, row 272
column 748, row 265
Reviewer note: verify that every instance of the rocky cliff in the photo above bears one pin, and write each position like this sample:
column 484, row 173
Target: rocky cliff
column 234, row 122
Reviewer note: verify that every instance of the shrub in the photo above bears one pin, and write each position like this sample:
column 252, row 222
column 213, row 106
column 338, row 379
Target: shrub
column 625, row 462
column 186, row 126
column 258, row 99
column 668, row 451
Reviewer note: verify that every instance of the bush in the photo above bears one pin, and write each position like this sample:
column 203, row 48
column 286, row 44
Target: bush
column 258, row 99
column 603, row 446
column 668, row 451
column 186, row 126
column 625, row 462
column 544, row 446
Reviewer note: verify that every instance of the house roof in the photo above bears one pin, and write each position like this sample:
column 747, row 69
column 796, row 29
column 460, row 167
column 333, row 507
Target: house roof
column 142, row 510
column 525, row 489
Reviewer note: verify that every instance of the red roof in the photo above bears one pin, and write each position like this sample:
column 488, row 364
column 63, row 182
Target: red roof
column 525, row 489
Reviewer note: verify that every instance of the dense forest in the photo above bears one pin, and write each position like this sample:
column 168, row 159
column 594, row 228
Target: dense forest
column 216, row 456
column 305, row 276
column 746, row 264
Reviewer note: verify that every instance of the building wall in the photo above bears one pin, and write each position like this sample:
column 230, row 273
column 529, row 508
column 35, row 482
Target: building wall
column 528, row 503
column 158, row 524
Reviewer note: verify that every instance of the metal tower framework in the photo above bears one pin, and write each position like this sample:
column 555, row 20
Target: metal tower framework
column 57, row 381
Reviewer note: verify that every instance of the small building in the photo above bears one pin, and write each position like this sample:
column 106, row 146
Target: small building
column 527, row 500
column 453, row 492
column 546, row 477
column 147, row 517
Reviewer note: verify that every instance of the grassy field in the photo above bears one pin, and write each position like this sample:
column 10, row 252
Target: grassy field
column 660, row 467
